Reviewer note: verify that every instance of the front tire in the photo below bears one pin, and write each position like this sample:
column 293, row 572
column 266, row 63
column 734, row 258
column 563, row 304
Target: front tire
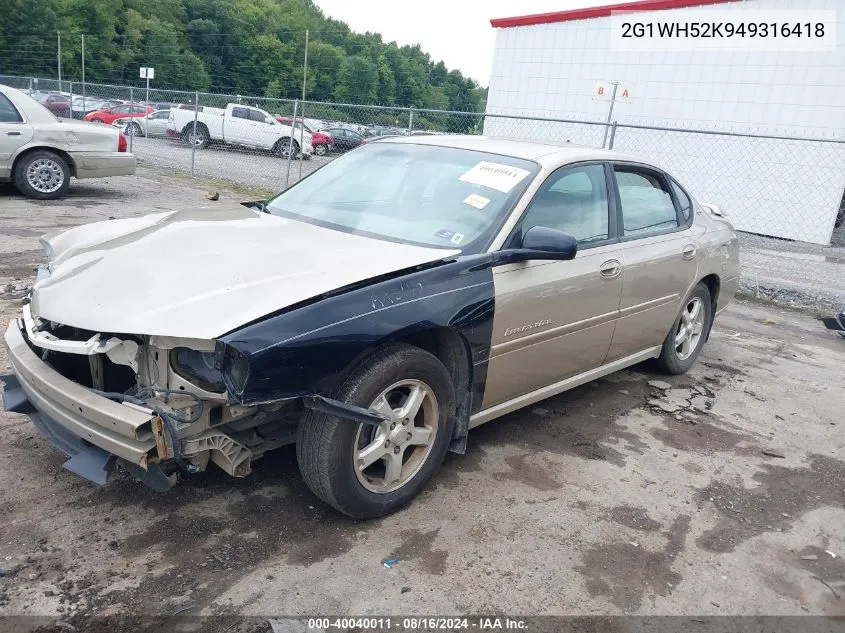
column 366, row 471
column 686, row 338
column 321, row 150
column 42, row 175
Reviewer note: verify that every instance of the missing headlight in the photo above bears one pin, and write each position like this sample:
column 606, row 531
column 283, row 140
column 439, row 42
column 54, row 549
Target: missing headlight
column 197, row 368
column 235, row 370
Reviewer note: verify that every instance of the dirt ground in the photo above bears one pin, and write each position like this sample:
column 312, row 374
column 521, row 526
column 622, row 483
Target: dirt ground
column 616, row 498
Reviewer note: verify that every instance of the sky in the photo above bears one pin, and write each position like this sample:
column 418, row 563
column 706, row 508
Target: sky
column 455, row 31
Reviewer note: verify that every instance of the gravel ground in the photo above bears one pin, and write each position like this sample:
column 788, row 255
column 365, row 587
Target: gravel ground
column 796, row 274
column 720, row 492
column 244, row 167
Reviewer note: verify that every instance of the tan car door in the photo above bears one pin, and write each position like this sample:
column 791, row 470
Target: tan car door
column 555, row 319
column 660, row 255
column 14, row 133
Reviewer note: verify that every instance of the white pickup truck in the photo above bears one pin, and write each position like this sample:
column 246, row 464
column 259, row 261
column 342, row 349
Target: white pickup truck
column 238, row 125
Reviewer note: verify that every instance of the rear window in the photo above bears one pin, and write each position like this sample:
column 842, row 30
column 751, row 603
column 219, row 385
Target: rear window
column 8, row 112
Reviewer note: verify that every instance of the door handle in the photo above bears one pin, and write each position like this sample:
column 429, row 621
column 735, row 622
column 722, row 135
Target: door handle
column 13, row 133
column 611, row 268
column 688, row 252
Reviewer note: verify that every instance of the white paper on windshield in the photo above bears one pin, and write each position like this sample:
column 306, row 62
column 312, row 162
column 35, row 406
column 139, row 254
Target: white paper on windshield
column 474, row 200
column 495, row 175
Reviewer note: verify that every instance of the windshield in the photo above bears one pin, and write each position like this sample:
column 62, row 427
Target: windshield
column 413, row 194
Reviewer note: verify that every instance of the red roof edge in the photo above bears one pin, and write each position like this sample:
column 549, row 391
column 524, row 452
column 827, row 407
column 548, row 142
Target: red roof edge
column 599, row 12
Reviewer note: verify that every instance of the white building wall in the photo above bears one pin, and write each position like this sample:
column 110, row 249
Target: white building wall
column 780, row 188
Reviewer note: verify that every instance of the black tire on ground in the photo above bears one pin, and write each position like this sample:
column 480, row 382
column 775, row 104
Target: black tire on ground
column 673, row 359
column 321, row 149
column 326, row 445
column 283, row 148
column 42, row 174
column 133, row 129
column 96, row 120
column 202, row 138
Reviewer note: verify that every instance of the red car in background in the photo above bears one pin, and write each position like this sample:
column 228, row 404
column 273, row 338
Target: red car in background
column 55, row 102
column 125, row 111
column 322, row 141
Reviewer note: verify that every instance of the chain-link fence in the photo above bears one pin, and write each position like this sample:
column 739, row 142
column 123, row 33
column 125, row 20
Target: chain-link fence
column 785, row 193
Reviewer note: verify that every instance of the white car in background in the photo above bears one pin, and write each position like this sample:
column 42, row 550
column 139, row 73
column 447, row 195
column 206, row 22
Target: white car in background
column 154, row 124
column 40, row 153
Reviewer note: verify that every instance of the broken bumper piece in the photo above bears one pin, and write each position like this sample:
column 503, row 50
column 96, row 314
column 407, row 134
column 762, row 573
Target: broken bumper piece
column 89, row 428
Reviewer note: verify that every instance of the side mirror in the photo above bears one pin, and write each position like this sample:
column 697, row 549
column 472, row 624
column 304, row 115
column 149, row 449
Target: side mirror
column 540, row 242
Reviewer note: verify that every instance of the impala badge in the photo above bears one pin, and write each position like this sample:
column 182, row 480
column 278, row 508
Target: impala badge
column 525, row 328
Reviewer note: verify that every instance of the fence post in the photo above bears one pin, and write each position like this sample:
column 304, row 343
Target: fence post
column 70, row 92
column 410, row 120
column 131, row 136
column 612, row 135
column 290, row 145
column 194, row 135
column 30, row 85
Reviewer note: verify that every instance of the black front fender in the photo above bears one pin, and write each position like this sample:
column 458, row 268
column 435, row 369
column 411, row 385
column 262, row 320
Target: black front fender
column 310, row 348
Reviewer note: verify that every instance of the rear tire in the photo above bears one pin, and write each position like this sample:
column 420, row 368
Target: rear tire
column 401, row 455
column 199, row 140
column 283, row 148
column 42, row 175
column 133, row 129
column 96, row 120
column 689, row 332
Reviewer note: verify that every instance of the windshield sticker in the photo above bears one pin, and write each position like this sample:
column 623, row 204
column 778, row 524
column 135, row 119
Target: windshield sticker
column 446, row 234
column 474, row 200
column 495, row 175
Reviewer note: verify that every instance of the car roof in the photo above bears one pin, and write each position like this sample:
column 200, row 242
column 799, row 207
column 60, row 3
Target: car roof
column 517, row 148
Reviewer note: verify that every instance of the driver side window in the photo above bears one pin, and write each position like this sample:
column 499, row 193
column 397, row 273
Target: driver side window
column 573, row 200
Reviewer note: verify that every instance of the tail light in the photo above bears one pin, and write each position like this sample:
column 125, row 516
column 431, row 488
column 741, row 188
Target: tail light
column 122, row 143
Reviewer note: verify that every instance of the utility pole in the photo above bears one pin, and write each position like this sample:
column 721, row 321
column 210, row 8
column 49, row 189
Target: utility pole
column 59, row 58
column 83, row 78
column 302, row 127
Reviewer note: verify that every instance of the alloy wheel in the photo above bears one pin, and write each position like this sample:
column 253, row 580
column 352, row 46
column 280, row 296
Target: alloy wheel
column 388, row 456
column 690, row 328
column 45, row 175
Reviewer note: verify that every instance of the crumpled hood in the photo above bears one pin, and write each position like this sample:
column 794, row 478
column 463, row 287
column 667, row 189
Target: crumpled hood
column 204, row 272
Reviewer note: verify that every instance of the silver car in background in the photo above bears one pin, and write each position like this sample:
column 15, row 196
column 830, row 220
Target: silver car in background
column 40, row 153
column 154, row 124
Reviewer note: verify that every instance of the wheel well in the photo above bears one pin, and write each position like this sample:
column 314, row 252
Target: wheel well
column 451, row 349
column 713, row 284
column 190, row 127
column 43, row 148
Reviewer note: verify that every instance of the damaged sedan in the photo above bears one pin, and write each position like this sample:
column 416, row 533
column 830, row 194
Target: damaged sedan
column 372, row 313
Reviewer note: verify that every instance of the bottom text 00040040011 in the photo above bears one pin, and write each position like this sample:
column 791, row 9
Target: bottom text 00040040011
column 416, row 623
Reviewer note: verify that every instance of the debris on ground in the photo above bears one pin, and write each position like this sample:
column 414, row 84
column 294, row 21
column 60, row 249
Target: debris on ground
column 659, row 384
column 213, row 195
column 405, row 589
column 391, row 562
column 829, row 553
column 769, row 453
column 822, row 581
column 810, row 557
column 540, row 411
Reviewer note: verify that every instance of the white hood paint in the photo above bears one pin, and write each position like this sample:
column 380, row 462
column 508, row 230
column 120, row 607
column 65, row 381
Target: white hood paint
column 201, row 273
